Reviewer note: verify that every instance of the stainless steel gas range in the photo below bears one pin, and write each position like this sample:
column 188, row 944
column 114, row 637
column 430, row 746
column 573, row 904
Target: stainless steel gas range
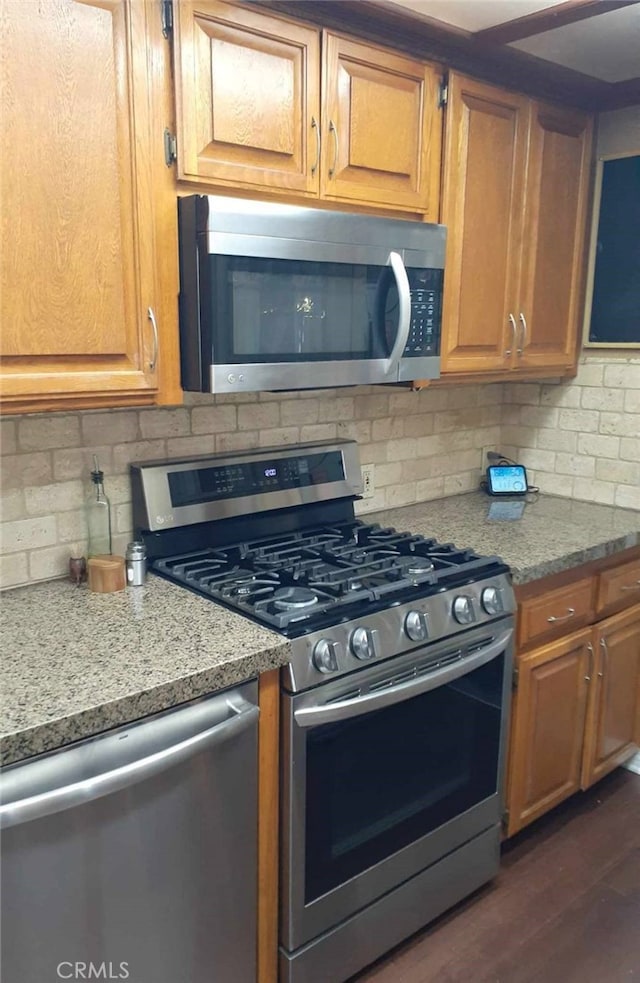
column 395, row 702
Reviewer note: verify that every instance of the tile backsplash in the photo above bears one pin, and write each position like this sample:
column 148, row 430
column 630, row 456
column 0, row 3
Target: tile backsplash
column 579, row 438
column 423, row 444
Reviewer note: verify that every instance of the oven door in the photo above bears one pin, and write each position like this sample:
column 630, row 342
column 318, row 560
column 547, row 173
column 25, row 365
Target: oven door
column 388, row 770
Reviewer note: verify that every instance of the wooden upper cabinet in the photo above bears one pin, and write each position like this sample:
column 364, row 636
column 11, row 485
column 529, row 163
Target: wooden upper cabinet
column 516, row 178
column 613, row 728
column 552, row 270
column 77, row 263
column 547, row 732
column 483, row 188
column 248, row 98
column 381, row 127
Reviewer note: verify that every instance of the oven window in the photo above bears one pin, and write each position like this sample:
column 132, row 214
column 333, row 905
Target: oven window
column 378, row 782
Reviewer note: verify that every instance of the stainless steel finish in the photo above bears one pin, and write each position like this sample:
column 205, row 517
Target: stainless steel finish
column 512, row 322
column 463, row 610
column 152, row 508
column 325, row 655
column 363, row 643
column 404, row 310
column 391, row 638
column 635, row 586
column 553, row 619
column 238, row 227
column 429, row 679
column 345, row 949
column 302, row 921
column 316, row 126
column 590, row 651
column 415, row 626
column 523, row 344
column 332, row 129
column 269, row 376
column 114, row 849
column 491, row 600
column 154, row 326
column 136, row 564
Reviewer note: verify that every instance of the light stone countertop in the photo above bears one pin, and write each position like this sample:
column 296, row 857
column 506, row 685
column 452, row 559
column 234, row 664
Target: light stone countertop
column 75, row 663
column 554, row 534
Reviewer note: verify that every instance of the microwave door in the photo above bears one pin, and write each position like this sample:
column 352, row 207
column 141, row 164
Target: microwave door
column 391, row 365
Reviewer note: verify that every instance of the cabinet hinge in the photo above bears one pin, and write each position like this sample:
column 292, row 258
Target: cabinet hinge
column 515, row 677
column 443, row 93
column 170, row 148
column 166, row 14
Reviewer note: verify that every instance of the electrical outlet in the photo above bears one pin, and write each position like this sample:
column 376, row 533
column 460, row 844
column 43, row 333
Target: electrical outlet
column 368, row 488
column 484, row 462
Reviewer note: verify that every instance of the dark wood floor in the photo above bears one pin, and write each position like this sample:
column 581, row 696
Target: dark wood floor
column 564, row 909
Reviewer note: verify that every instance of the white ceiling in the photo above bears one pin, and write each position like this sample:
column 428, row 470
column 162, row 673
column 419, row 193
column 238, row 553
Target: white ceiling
column 605, row 46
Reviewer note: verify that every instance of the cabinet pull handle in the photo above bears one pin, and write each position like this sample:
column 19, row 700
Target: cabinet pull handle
column 316, row 126
column 605, row 655
column 635, row 586
column 590, row 670
column 332, row 129
column 565, row 617
column 154, row 357
column 523, row 322
column 512, row 322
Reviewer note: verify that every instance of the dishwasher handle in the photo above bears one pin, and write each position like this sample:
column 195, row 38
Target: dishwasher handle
column 242, row 716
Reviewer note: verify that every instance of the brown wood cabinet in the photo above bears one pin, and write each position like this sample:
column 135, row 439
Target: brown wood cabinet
column 78, row 274
column 576, row 704
column 514, row 199
column 260, row 109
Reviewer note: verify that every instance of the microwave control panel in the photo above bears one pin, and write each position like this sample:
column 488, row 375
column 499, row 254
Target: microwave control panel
column 424, row 329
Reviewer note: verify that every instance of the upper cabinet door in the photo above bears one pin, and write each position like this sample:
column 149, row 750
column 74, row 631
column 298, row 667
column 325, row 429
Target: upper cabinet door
column 482, row 207
column 77, row 263
column 381, row 128
column 553, row 249
column 248, row 98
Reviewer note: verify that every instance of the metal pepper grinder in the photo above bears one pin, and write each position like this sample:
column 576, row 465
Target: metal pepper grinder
column 136, row 562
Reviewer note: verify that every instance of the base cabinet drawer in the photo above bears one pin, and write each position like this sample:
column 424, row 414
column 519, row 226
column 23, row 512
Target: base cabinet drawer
column 555, row 612
column 619, row 587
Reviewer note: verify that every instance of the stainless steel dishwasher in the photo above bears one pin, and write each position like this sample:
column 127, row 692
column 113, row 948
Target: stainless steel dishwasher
column 132, row 855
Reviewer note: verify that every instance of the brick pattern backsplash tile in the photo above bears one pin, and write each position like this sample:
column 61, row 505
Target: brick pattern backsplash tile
column 424, row 445
column 579, row 438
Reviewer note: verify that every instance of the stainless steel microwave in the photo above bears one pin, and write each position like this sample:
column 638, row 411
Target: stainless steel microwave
column 277, row 297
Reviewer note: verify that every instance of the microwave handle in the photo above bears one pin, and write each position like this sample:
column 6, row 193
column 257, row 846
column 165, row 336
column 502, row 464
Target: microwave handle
column 404, row 311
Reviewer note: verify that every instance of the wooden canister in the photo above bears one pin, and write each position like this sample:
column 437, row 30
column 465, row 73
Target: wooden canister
column 106, row 573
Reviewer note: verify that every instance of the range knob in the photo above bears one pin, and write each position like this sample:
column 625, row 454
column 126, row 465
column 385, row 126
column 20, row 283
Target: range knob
column 491, row 600
column 415, row 626
column 363, row 643
column 325, row 655
column 463, row 609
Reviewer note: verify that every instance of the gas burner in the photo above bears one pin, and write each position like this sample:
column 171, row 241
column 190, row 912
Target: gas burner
column 291, row 598
column 414, row 565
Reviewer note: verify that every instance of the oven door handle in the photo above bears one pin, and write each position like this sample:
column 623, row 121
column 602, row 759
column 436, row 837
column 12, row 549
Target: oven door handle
column 404, row 311
column 344, row 709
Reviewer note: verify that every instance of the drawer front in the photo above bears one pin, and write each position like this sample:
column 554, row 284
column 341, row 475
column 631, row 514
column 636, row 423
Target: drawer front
column 619, row 587
column 555, row 613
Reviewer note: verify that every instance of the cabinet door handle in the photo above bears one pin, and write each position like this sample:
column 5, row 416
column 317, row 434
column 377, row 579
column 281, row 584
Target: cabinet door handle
column 316, row 126
column 565, row 617
column 154, row 357
column 332, row 129
column 512, row 322
column 605, row 656
column 590, row 671
column 635, row 586
column 523, row 322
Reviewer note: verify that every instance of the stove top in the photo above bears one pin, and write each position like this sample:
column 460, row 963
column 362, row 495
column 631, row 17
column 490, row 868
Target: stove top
column 301, row 581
